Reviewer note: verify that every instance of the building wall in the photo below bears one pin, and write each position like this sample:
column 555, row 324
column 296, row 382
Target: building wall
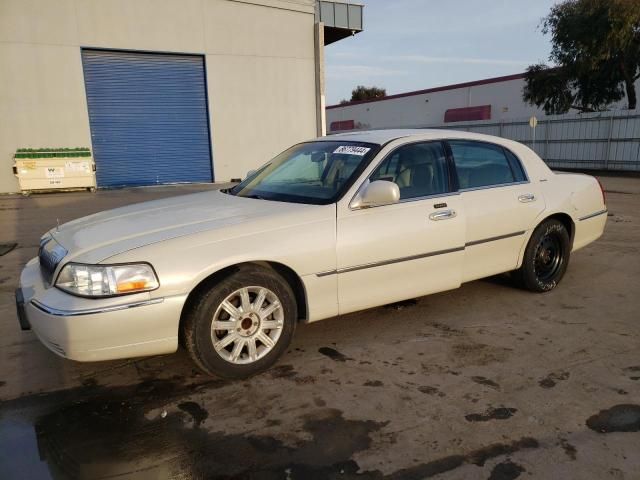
column 259, row 57
column 426, row 109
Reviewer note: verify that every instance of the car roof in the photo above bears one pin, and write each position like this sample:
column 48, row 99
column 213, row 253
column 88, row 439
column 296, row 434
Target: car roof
column 381, row 137
column 530, row 159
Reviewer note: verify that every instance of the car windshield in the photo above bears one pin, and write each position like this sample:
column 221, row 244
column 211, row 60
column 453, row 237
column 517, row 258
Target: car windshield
column 314, row 172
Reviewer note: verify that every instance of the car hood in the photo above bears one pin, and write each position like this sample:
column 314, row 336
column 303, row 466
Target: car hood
column 96, row 237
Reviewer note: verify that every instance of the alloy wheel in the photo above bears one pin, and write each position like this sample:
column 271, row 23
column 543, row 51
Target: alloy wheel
column 247, row 325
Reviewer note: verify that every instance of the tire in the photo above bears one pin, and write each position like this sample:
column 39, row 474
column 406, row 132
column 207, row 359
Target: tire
column 244, row 345
column 546, row 257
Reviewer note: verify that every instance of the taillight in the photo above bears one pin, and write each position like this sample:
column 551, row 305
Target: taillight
column 604, row 196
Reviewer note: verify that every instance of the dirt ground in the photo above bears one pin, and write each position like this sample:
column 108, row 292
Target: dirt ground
column 486, row 381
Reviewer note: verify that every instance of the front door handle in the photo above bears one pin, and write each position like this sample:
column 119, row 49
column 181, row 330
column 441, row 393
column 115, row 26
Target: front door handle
column 442, row 215
column 526, row 198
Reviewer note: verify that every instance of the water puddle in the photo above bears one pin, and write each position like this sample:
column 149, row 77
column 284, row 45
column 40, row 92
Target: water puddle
column 619, row 418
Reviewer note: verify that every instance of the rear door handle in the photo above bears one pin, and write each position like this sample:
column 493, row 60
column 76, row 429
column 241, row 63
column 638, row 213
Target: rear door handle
column 526, row 198
column 442, row 215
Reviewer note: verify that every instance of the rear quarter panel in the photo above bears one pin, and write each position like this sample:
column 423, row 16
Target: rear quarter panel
column 580, row 197
column 576, row 195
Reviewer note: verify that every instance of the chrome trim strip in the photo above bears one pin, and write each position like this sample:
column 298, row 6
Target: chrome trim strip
column 90, row 311
column 326, row 273
column 405, row 200
column 493, row 239
column 497, row 185
column 426, row 197
column 389, row 262
column 417, row 257
column 399, row 260
column 596, row 214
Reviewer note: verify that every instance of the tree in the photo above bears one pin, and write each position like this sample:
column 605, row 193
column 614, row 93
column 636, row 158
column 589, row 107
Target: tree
column 365, row 93
column 596, row 52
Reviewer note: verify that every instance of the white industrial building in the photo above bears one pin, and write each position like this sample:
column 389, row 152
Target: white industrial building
column 497, row 99
column 164, row 91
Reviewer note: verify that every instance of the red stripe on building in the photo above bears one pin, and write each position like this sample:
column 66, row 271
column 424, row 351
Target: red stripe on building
column 481, row 112
column 342, row 125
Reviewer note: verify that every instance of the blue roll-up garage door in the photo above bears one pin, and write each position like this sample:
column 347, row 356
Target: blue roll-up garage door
column 148, row 116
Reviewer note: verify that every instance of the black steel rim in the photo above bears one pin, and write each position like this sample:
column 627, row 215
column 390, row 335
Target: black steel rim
column 548, row 257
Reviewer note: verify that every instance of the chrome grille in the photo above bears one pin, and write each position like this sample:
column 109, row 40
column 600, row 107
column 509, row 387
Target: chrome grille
column 50, row 255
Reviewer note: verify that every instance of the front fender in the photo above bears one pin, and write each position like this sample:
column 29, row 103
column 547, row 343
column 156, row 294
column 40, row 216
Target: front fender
column 305, row 245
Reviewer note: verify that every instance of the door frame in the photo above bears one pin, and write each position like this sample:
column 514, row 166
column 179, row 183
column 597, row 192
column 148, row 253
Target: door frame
column 344, row 211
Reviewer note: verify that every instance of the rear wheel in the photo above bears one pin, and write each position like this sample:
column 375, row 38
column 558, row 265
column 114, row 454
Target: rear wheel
column 241, row 325
column 546, row 257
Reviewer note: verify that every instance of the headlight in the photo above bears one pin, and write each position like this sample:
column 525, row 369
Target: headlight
column 106, row 280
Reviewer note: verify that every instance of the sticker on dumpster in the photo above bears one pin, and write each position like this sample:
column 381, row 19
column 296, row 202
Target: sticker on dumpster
column 352, row 150
column 54, row 172
column 82, row 167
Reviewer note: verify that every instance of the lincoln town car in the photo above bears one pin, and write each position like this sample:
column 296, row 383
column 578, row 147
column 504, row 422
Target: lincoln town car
column 330, row 226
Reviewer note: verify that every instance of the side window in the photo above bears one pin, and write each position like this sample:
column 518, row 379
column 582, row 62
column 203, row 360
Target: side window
column 516, row 166
column 481, row 164
column 419, row 169
column 388, row 169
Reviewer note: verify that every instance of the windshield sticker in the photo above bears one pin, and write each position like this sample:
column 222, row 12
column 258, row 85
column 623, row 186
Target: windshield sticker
column 352, row 150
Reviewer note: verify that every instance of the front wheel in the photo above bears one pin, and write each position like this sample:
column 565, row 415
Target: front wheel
column 546, row 257
column 242, row 324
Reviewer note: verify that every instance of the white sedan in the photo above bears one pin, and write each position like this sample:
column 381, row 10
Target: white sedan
column 330, row 226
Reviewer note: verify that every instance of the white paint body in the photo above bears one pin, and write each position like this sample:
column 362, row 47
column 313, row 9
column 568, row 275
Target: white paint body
column 346, row 259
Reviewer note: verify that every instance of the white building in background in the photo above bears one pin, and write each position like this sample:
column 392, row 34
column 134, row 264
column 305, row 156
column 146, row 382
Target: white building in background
column 497, row 99
column 161, row 92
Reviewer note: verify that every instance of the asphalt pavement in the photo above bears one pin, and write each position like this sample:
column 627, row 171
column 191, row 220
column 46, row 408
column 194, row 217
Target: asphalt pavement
column 487, row 381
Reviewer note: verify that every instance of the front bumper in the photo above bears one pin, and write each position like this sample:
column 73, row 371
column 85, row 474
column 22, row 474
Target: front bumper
column 86, row 329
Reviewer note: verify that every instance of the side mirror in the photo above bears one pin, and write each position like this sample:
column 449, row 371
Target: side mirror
column 249, row 173
column 377, row 193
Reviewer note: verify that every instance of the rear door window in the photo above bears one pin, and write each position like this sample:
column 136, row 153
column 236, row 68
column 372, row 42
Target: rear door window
column 516, row 166
column 419, row 170
column 480, row 164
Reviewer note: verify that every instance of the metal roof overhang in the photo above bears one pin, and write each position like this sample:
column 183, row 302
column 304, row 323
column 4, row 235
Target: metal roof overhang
column 341, row 19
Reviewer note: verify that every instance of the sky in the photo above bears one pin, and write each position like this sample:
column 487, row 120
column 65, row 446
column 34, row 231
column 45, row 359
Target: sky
column 416, row 44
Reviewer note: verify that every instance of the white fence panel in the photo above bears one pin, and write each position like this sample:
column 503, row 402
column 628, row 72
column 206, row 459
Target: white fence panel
column 593, row 141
